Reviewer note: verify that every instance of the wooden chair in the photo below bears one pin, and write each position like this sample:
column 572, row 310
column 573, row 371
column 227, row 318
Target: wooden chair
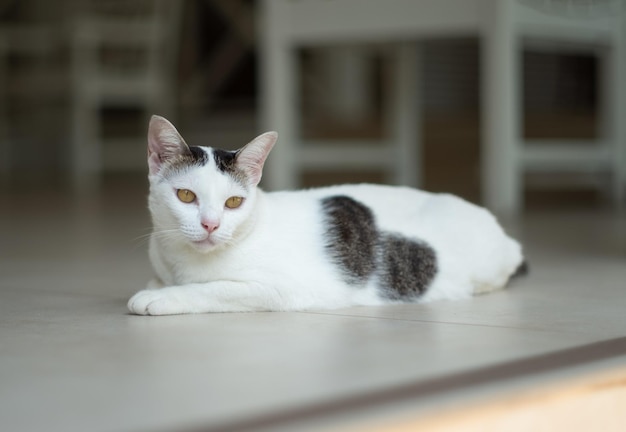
column 124, row 56
column 503, row 28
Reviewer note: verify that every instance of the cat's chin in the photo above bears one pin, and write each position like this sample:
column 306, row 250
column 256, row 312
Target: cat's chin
column 206, row 245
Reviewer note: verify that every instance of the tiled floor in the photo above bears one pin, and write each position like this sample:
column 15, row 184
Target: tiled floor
column 72, row 359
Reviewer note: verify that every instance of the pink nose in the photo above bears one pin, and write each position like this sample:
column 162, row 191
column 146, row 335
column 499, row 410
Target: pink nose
column 210, row 226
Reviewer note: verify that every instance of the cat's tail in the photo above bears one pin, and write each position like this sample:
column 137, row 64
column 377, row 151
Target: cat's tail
column 522, row 270
column 483, row 288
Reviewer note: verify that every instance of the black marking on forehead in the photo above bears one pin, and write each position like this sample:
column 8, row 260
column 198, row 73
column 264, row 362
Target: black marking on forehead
column 407, row 267
column 196, row 156
column 225, row 160
column 351, row 237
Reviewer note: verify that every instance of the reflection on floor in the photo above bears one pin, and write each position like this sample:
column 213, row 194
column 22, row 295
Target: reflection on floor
column 72, row 359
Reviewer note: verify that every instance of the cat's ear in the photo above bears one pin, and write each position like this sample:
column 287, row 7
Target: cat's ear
column 251, row 158
column 164, row 142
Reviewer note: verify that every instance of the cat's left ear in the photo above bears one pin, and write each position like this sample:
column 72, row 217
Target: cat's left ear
column 251, row 158
column 164, row 143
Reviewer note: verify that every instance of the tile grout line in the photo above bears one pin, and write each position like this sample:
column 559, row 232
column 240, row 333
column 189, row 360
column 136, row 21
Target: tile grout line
column 424, row 321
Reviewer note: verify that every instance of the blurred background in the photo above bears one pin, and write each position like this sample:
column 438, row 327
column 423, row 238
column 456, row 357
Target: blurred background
column 79, row 80
column 518, row 105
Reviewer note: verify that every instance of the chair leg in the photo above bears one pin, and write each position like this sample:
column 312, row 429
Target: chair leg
column 613, row 111
column 5, row 142
column 280, row 109
column 86, row 152
column 406, row 116
column 500, row 82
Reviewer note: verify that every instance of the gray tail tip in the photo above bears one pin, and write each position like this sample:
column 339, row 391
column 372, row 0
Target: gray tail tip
column 522, row 270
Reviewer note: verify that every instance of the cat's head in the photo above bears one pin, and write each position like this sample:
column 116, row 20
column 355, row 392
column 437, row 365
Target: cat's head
column 202, row 196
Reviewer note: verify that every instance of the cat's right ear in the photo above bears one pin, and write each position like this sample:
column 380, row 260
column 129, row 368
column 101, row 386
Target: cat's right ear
column 252, row 156
column 164, row 143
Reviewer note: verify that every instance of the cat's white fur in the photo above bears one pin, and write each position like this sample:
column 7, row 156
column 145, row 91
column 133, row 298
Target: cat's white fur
column 269, row 254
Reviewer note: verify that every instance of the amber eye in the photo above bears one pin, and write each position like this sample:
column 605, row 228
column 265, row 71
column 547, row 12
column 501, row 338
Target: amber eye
column 233, row 202
column 185, row 195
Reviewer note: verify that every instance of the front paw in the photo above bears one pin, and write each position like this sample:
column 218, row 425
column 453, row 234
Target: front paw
column 157, row 302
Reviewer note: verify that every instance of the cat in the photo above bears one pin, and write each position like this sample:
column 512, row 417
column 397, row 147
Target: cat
column 221, row 244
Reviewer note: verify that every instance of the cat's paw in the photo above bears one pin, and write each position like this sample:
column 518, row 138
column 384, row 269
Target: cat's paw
column 157, row 302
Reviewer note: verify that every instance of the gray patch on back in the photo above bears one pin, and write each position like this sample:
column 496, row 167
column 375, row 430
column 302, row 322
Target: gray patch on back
column 404, row 268
column 407, row 267
column 351, row 237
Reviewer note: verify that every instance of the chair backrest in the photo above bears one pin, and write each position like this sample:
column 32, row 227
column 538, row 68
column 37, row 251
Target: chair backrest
column 120, row 37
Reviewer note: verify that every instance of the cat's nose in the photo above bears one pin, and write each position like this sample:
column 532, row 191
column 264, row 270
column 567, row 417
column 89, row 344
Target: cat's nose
column 210, row 226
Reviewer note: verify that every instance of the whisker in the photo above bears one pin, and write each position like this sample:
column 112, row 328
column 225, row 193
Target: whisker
column 164, row 234
column 169, row 234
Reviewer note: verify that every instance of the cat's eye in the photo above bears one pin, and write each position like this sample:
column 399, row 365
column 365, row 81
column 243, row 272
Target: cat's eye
column 234, row 202
column 185, row 195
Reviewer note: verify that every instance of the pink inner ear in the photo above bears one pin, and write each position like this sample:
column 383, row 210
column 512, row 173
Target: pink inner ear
column 251, row 158
column 154, row 162
column 164, row 142
column 252, row 166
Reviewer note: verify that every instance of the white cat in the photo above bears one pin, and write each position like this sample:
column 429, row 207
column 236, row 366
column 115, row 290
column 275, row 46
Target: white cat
column 221, row 244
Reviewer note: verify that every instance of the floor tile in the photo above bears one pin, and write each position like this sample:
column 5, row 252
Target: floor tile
column 73, row 359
